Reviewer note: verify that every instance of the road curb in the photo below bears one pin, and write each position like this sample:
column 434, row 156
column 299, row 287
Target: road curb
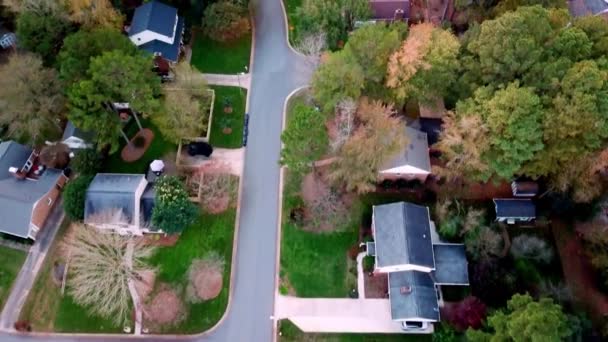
column 286, row 19
column 280, row 214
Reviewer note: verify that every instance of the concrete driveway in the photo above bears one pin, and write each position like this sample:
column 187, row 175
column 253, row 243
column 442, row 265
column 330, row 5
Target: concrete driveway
column 276, row 71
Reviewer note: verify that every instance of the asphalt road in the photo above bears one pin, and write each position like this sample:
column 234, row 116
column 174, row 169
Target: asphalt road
column 277, row 71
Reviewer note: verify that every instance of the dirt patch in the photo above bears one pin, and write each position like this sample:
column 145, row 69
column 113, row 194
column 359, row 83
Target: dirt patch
column 131, row 153
column 145, row 284
column 206, row 279
column 376, row 286
column 165, row 308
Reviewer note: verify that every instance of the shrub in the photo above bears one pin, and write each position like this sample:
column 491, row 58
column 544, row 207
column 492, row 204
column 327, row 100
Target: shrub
column 449, row 229
column 532, row 248
column 74, row 196
column 527, row 271
column 468, row 313
column 483, row 243
column 225, row 21
column 86, row 162
column 139, row 141
column 368, row 263
column 173, row 211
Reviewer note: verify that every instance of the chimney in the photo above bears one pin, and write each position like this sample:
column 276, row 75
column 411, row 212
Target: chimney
column 405, row 290
column 13, row 169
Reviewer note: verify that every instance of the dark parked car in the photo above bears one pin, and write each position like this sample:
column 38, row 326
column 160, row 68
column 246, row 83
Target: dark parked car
column 199, row 148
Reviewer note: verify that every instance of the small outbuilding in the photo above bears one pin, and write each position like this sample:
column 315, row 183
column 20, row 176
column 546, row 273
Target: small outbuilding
column 413, row 162
column 514, row 210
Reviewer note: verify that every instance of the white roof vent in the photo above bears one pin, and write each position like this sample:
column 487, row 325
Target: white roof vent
column 13, row 169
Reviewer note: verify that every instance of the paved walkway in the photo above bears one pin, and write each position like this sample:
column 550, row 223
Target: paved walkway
column 338, row 315
column 243, row 81
column 361, row 275
column 31, row 266
column 133, row 290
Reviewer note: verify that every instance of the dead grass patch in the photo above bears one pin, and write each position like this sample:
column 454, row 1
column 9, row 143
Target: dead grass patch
column 325, row 209
column 165, row 308
column 205, row 278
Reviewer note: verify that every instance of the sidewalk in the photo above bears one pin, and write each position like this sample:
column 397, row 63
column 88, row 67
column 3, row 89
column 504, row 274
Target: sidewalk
column 31, row 266
column 243, row 81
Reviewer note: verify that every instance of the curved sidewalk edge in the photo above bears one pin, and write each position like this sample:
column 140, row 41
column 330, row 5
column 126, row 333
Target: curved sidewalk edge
column 286, row 19
column 280, row 213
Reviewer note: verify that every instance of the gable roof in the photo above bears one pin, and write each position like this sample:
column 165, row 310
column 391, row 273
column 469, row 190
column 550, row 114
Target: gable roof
column 18, row 196
column 402, row 235
column 412, row 295
column 587, row 7
column 451, row 267
column 385, row 9
column 110, row 191
column 73, row 131
column 167, row 51
column 432, row 128
column 414, row 154
column 154, row 16
column 514, row 208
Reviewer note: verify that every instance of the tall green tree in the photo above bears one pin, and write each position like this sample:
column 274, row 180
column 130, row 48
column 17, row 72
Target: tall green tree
column 525, row 320
column 78, row 49
column 113, row 77
column 334, row 17
column 596, row 28
column 425, row 66
column 74, row 196
column 577, row 122
column 31, row 99
column 337, row 79
column 512, row 117
column 42, row 33
column 304, row 139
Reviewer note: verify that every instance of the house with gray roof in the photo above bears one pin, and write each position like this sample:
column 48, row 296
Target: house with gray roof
column 75, row 138
column 120, row 202
column 514, row 210
column 413, row 161
column 390, row 10
column 158, row 29
column 28, row 190
column 417, row 265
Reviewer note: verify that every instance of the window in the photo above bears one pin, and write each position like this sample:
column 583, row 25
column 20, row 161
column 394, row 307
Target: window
column 49, row 201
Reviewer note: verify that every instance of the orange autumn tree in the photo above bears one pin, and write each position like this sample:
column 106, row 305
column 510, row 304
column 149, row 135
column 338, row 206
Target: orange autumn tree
column 426, row 64
column 379, row 137
column 94, row 14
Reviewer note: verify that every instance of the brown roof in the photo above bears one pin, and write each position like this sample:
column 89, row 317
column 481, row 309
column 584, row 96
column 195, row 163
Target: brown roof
column 390, row 9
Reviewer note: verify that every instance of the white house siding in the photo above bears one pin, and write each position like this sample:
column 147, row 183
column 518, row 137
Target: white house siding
column 148, row 36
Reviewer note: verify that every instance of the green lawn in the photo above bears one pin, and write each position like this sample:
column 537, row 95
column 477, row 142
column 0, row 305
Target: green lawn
column 209, row 233
column 212, row 57
column 290, row 333
column 47, row 310
column 235, row 120
column 11, row 261
column 291, row 7
column 157, row 150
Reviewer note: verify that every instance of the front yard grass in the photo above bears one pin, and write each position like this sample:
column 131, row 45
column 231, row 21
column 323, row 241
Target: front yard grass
column 158, row 148
column 211, row 57
column 290, row 333
column 235, row 120
column 48, row 311
column 209, row 233
column 11, row 261
column 291, row 7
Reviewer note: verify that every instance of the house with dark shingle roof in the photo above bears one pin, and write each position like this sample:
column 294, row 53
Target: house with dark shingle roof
column 390, row 10
column 514, row 210
column 417, row 266
column 158, row 29
column 28, row 190
column 122, row 203
column 413, row 161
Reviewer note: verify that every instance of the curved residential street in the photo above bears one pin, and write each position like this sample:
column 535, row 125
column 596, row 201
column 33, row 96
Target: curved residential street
column 276, row 72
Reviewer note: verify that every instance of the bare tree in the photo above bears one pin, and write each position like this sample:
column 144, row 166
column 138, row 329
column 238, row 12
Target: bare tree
column 101, row 270
column 344, row 120
column 483, row 243
column 312, row 45
column 532, row 247
column 218, row 187
column 41, row 7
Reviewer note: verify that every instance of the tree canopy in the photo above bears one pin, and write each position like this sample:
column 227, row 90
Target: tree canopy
column 525, row 320
column 42, row 32
column 78, row 49
column 31, row 100
column 426, row 64
column 94, row 14
column 113, row 77
column 187, row 101
column 226, row 20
